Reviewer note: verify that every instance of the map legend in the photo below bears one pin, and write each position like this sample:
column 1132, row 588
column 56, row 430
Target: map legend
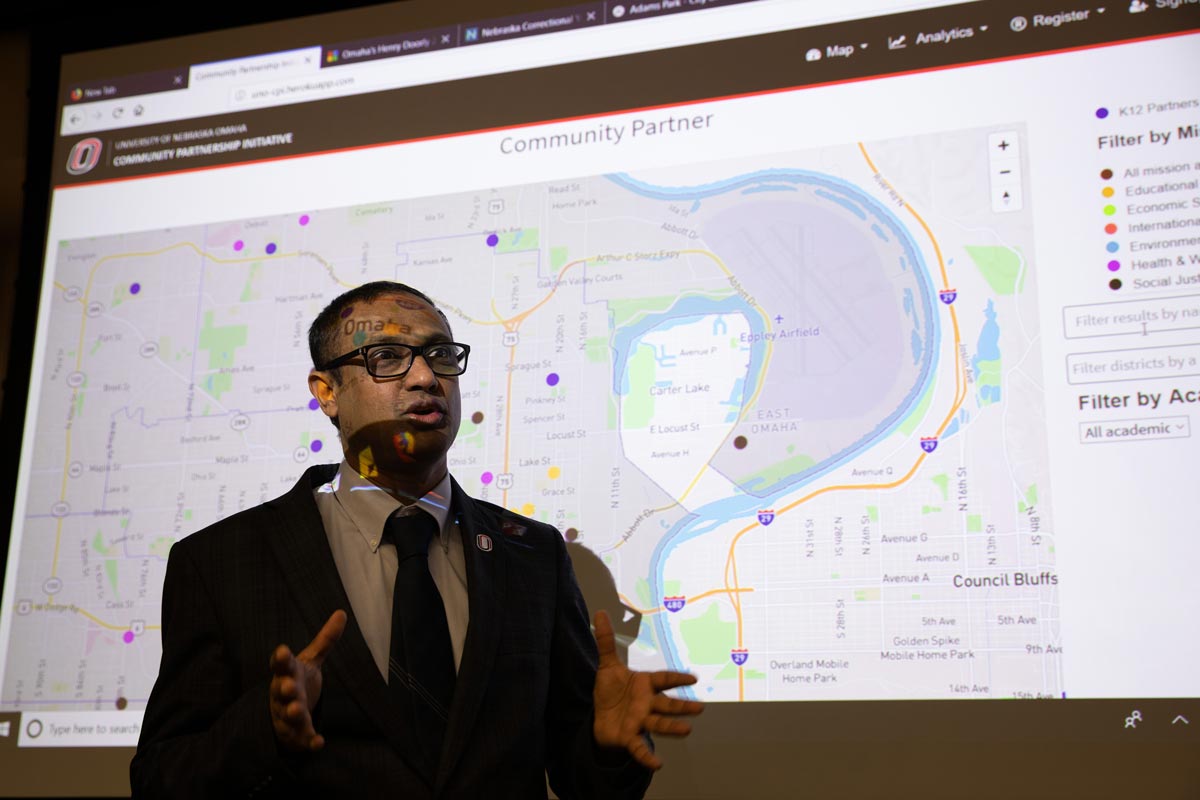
column 1150, row 185
column 1112, row 246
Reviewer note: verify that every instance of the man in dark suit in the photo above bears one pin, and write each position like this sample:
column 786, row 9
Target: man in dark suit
column 279, row 673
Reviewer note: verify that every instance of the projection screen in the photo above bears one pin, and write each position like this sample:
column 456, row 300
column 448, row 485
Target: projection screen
column 851, row 347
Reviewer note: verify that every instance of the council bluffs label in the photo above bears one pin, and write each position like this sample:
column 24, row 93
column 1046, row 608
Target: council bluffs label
column 1005, row 579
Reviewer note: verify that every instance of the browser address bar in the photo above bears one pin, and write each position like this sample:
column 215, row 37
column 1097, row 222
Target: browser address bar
column 290, row 90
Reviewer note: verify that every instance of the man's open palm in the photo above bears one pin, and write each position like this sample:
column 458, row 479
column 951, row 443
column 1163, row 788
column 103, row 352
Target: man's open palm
column 629, row 704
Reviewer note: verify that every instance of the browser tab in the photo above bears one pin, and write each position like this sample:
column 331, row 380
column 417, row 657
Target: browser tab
column 623, row 12
column 127, row 86
column 532, row 24
column 400, row 44
column 290, row 62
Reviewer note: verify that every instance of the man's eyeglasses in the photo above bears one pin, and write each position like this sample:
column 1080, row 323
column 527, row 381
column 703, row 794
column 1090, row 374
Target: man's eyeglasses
column 389, row 360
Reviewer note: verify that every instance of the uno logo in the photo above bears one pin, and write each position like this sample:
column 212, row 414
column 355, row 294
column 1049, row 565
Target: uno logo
column 85, row 155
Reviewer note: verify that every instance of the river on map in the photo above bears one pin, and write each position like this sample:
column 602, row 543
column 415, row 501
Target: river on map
column 818, row 251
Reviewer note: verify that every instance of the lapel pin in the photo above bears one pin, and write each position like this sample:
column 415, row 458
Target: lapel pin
column 512, row 529
column 483, row 542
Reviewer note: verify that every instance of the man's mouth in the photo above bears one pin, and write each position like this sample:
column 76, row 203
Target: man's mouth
column 425, row 414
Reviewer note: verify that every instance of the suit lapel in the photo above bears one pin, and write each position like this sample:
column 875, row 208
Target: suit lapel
column 483, row 548
column 302, row 549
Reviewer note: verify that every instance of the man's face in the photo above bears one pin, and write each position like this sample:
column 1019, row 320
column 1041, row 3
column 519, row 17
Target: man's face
column 392, row 426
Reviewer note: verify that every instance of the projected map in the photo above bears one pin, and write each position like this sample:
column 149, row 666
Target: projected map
column 792, row 403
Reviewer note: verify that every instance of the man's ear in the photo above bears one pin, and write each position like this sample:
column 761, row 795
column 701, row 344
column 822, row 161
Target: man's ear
column 322, row 388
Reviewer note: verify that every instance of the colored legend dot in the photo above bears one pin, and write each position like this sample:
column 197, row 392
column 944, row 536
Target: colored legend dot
column 1110, row 228
column 122, row 703
column 739, row 442
column 1109, row 210
column 134, row 288
column 270, row 248
column 527, row 510
column 127, row 637
column 1114, row 265
column 1114, row 284
column 477, row 417
column 1107, row 191
column 485, row 478
column 553, row 473
column 1101, row 113
column 493, row 240
column 304, row 219
column 572, row 534
column 316, row 445
column 1106, row 173
column 238, row 245
column 552, row 379
column 313, row 405
column 1112, row 247
column 347, row 311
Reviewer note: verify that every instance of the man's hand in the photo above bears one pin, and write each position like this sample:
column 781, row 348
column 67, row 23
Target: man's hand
column 296, row 686
column 628, row 704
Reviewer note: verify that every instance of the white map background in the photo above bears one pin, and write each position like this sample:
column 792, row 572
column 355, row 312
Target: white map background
column 657, row 359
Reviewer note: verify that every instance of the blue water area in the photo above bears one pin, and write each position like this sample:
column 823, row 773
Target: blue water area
column 769, row 188
column 878, row 231
column 956, row 424
column 849, row 205
column 988, row 346
column 734, row 401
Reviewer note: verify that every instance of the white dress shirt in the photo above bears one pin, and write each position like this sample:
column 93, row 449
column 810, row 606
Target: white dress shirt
column 354, row 511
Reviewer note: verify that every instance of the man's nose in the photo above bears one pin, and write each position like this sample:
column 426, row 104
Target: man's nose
column 420, row 374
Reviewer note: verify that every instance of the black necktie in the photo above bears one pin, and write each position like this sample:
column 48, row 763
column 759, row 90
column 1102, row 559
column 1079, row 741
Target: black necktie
column 421, row 662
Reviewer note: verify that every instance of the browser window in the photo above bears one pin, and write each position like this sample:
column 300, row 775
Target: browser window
column 858, row 346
